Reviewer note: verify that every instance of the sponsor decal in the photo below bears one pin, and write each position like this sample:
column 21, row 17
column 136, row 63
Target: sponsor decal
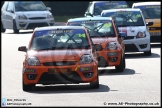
column 61, row 31
column 123, row 29
column 112, row 53
column 107, row 25
column 131, row 30
column 30, row 70
column 153, row 6
column 77, row 68
column 85, row 69
column 124, row 12
column 82, row 35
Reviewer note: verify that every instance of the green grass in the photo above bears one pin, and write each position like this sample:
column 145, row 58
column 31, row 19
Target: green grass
column 64, row 18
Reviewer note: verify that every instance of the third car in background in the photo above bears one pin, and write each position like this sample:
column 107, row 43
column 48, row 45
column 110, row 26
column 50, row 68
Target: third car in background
column 152, row 12
column 96, row 7
column 108, row 40
column 132, row 22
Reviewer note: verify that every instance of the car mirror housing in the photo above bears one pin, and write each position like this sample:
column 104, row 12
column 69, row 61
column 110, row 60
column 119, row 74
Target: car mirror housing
column 88, row 14
column 149, row 23
column 48, row 8
column 22, row 48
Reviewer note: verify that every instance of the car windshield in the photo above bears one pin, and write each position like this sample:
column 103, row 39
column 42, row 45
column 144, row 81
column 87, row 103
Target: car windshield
column 60, row 39
column 151, row 11
column 125, row 18
column 96, row 27
column 29, row 6
column 99, row 7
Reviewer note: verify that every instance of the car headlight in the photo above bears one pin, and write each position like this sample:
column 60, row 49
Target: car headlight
column 111, row 45
column 49, row 16
column 23, row 17
column 86, row 59
column 33, row 61
column 141, row 35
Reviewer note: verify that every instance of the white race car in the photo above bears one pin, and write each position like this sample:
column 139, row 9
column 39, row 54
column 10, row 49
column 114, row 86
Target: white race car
column 22, row 15
column 132, row 22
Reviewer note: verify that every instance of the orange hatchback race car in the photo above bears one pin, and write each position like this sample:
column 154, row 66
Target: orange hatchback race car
column 60, row 55
column 105, row 34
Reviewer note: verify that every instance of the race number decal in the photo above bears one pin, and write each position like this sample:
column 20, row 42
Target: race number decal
column 82, row 35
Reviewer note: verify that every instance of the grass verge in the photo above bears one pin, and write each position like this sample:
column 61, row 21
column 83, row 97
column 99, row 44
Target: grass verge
column 64, row 18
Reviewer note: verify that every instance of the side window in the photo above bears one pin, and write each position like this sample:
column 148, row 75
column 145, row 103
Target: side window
column 4, row 5
column 91, row 8
column 10, row 7
column 143, row 17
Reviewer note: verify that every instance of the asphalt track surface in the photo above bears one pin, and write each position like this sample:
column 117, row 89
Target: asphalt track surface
column 138, row 85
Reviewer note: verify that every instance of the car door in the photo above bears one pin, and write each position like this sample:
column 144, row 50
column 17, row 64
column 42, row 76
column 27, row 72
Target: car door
column 89, row 9
column 3, row 14
column 9, row 15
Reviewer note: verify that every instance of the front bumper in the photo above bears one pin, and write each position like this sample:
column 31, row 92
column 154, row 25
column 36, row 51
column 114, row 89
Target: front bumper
column 31, row 24
column 137, row 44
column 105, row 59
column 43, row 75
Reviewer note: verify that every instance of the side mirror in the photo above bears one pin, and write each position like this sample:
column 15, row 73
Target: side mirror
column 98, row 47
column 11, row 11
column 122, row 35
column 88, row 14
column 149, row 23
column 22, row 48
column 93, row 47
column 48, row 8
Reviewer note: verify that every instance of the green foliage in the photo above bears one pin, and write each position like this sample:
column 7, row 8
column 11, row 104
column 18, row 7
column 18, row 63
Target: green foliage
column 46, row 3
column 64, row 18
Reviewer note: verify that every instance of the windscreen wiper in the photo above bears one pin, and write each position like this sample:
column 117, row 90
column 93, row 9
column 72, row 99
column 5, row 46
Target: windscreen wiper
column 87, row 46
column 46, row 48
column 98, row 27
column 122, row 25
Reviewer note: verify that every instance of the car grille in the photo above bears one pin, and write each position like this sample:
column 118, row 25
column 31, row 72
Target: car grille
column 60, row 78
column 64, row 63
column 128, row 37
column 37, row 18
column 34, row 25
column 131, row 48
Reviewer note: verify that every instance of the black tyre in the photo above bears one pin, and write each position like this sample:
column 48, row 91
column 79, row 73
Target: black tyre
column 95, row 85
column 124, row 63
column 120, row 68
column 2, row 29
column 27, row 87
column 148, row 53
column 15, row 27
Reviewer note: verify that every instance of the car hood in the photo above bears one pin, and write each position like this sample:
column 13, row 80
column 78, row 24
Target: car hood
column 30, row 14
column 59, row 55
column 101, row 40
column 104, row 40
column 156, row 22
